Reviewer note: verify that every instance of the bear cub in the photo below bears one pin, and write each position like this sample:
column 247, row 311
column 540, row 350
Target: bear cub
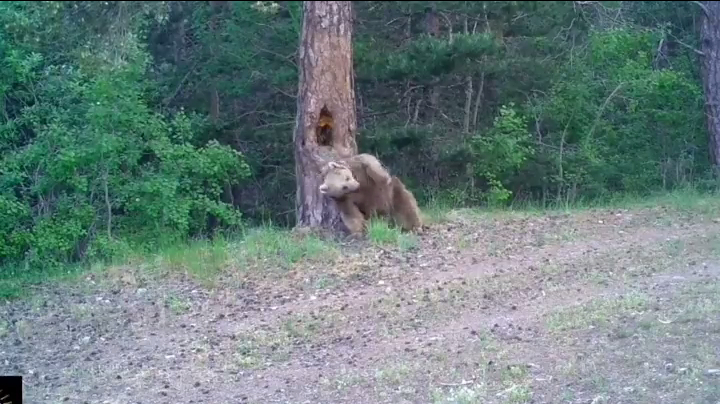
column 362, row 187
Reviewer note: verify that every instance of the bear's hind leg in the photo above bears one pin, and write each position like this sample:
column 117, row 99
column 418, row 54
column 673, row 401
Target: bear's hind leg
column 405, row 211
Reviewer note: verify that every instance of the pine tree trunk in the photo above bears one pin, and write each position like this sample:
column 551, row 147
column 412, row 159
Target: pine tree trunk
column 217, row 7
column 710, row 40
column 326, row 124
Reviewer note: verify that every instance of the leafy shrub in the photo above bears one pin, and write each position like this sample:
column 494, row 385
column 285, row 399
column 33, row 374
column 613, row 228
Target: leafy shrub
column 86, row 160
column 501, row 152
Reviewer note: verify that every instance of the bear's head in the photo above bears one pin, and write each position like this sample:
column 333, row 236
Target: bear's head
column 338, row 180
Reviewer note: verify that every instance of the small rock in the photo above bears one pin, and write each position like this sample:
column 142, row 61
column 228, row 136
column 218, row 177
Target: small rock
column 381, row 282
column 140, row 291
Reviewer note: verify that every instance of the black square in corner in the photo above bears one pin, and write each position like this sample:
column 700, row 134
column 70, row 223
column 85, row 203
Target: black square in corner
column 11, row 390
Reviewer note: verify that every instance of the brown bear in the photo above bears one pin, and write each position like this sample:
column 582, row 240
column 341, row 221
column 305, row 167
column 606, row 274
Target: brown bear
column 362, row 187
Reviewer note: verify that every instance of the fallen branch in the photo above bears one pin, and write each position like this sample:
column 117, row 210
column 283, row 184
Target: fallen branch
column 462, row 383
column 692, row 48
column 702, row 6
column 602, row 108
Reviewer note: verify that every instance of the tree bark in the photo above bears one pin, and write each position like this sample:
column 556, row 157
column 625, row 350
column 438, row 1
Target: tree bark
column 710, row 42
column 478, row 100
column 216, row 8
column 468, row 91
column 326, row 124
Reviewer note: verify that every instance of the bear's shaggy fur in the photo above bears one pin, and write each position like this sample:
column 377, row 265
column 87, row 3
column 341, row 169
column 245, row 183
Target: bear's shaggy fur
column 362, row 187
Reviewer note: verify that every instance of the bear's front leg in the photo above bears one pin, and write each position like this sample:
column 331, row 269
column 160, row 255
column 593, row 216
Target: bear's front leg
column 352, row 217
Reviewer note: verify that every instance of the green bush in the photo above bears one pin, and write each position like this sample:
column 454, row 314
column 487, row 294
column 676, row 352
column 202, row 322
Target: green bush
column 614, row 123
column 84, row 156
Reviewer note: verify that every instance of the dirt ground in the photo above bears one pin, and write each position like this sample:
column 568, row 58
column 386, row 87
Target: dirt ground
column 601, row 306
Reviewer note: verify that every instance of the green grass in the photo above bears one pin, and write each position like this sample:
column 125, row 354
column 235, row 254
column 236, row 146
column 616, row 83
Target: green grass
column 273, row 247
column 597, row 313
column 381, row 234
column 15, row 280
column 177, row 304
column 201, row 259
column 682, row 198
column 472, row 394
column 264, row 248
column 270, row 248
column 437, row 205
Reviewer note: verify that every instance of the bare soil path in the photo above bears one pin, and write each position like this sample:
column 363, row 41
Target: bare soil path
column 601, row 306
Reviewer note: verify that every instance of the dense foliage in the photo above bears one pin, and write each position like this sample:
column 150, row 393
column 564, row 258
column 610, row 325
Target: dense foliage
column 130, row 121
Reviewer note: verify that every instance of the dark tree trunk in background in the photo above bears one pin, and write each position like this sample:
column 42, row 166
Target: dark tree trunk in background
column 216, row 7
column 710, row 43
column 325, row 125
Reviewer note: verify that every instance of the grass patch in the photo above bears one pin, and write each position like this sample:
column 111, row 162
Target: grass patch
column 381, row 234
column 460, row 395
column 695, row 302
column 393, row 375
column 257, row 349
column 596, row 313
column 15, row 281
column 177, row 304
column 260, row 348
column 270, row 247
column 267, row 247
column 4, row 328
column 202, row 259
column 434, row 214
column 280, row 248
column 687, row 198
